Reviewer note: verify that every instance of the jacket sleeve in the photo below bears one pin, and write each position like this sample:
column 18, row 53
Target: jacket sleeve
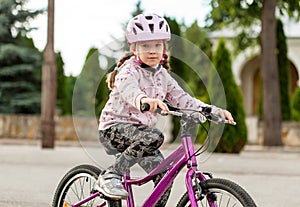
column 178, row 97
column 127, row 84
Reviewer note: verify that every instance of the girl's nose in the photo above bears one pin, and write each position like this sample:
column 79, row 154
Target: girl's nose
column 152, row 50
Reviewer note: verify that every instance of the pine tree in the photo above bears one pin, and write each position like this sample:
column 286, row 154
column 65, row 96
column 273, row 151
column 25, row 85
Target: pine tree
column 283, row 72
column 69, row 88
column 61, row 85
column 86, row 84
column 20, row 61
column 91, row 91
column 234, row 137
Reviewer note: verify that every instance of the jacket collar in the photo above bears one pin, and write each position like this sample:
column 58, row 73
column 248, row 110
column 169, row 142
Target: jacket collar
column 150, row 69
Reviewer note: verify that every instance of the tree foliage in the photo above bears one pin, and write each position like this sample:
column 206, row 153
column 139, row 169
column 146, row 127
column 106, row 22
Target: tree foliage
column 61, row 93
column 234, row 137
column 283, row 72
column 246, row 18
column 20, row 61
column 198, row 36
column 91, row 91
column 296, row 105
column 69, row 88
column 83, row 97
column 15, row 19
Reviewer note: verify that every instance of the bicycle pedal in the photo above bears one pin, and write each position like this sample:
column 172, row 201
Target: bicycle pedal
column 115, row 199
column 101, row 195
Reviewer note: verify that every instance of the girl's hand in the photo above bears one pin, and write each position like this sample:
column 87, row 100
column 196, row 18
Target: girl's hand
column 226, row 115
column 154, row 104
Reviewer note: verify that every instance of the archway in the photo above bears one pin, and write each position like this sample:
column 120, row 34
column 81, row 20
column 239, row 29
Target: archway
column 251, row 84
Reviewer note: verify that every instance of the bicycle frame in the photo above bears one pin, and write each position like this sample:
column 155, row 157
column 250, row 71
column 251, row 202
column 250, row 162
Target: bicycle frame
column 182, row 156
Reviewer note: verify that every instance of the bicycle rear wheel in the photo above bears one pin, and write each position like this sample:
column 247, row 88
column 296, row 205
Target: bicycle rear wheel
column 78, row 184
column 223, row 192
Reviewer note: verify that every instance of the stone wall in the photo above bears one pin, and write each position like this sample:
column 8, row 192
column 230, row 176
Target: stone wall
column 22, row 127
column 290, row 132
column 28, row 127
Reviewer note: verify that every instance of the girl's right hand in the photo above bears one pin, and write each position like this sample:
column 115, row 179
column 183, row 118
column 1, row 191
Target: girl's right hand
column 154, row 103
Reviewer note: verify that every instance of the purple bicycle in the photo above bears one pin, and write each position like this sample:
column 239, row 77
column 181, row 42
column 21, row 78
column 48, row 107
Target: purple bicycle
column 76, row 187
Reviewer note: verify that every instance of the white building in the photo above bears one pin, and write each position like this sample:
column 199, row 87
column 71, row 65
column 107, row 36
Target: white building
column 246, row 69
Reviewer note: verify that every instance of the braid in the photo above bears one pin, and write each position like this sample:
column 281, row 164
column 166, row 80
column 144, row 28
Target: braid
column 126, row 57
column 166, row 63
column 111, row 76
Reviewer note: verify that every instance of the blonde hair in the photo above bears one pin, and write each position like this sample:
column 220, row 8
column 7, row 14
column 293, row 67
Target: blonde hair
column 112, row 75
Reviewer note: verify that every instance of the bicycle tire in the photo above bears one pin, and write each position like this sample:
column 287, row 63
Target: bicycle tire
column 83, row 177
column 222, row 191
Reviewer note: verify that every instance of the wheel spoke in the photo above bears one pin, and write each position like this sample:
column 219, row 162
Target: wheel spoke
column 76, row 186
column 223, row 192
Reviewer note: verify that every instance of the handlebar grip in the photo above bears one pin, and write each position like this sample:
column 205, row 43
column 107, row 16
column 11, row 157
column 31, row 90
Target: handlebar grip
column 145, row 107
column 216, row 118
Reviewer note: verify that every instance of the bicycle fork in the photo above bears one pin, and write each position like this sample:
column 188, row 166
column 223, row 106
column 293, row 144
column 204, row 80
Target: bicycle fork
column 193, row 173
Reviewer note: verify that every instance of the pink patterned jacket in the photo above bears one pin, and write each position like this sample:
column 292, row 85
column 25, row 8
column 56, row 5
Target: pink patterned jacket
column 134, row 82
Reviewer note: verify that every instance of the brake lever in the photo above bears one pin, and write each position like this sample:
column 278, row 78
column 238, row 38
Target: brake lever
column 218, row 119
column 159, row 111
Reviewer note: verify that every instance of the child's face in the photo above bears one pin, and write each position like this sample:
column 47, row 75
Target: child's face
column 150, row 52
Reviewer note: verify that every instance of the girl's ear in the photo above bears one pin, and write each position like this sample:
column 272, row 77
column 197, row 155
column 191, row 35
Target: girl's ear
column 133, row 48
column 165, row 47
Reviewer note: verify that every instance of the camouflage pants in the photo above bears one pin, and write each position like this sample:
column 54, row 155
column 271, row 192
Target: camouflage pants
column 137, row 144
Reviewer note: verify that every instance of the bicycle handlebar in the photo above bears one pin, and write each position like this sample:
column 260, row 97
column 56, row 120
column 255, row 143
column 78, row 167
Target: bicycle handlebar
column 204, row 115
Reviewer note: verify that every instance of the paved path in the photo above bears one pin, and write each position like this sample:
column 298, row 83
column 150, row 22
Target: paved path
column 29, row 175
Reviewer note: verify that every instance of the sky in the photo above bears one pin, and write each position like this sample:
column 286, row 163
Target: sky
column 81, row 25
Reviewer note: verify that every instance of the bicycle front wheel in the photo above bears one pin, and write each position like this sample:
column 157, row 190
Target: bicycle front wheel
column 223, row 192
column 76, row 185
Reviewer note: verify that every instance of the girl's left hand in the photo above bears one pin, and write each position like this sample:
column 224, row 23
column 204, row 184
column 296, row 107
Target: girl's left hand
column 226, row 115
column 154, row 104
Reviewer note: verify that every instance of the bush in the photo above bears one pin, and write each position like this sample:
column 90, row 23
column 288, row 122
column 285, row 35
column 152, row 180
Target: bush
column 234, row 137
column 296, row 105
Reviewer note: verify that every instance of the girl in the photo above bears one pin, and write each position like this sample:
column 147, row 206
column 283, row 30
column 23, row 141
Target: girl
column 142, row 76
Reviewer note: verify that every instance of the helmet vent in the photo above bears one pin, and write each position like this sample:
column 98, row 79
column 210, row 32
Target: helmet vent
column 148, row 17
column 134, row 31
column 161, row 24
column 139, row 26
column 151, row 27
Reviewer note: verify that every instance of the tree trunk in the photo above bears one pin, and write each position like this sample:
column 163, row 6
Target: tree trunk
column 269, row 65
column 49, row 85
